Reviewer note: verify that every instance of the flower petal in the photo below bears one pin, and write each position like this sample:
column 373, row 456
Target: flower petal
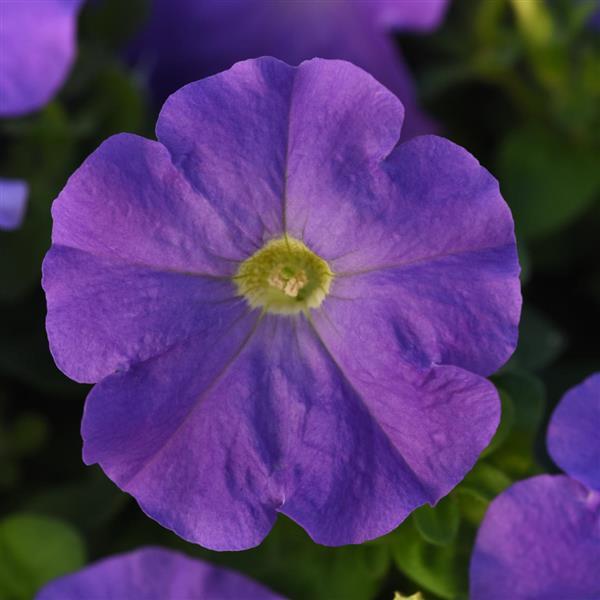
column 574, row 433
column 127, row 201
column 38, row 47
column 460, row 310
column 441, row 411
column 419, row 15
column 434, row 278
column 431, row 199
column 281, row 428
column 154, row 574
column 13, row 202
column 136, row 262
column 235, row 157
column 539, row 539
column 105, row 315
column 285, row 129
column 342, row 125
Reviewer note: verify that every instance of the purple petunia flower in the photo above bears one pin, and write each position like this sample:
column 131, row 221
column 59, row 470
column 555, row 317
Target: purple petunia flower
column 13, row 201
column 282, row 310
column 154, row 574
column 541, row 537
column 574, row 433
column 37, row 47
column 189, row 39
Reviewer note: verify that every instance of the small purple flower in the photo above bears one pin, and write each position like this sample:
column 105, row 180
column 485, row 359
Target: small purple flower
column 13, row 201
column 189, row 39
column 541, row 537
column 37, row 47
column 283, row 311
column 154, row 574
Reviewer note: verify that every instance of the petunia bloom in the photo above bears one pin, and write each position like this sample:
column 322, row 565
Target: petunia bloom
column 573, row 433
column 541, row 537
column 13, row 201
column 185, row 40
column 283, row 310
column 154, row 574
column 37, row 47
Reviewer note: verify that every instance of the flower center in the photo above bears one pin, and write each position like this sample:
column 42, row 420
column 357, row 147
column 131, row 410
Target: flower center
column 284, row 277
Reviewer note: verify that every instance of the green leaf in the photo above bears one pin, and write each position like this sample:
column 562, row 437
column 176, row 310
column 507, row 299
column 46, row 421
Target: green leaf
column 442, row 570
column 485, row 481
column 478, row 489
column 547, row 181
column 34, row 550
column 438, row 524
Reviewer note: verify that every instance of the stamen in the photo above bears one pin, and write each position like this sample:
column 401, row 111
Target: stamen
column 284, row 277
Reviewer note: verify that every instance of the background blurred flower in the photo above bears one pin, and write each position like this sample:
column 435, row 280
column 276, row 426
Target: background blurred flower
column 215, row 415
column 154, row 574
column 13, row 201
column 37, row 48
column 573, row 433
column 540, row 538
column 186, row 40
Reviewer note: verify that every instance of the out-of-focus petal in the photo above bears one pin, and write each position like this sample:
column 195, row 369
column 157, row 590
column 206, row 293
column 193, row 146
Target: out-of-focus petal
column 186, row 40
column 154, row 574
column 574, row 433
column 539, row 539
column 413, row 15
column 37, row 48
column 13, row 202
